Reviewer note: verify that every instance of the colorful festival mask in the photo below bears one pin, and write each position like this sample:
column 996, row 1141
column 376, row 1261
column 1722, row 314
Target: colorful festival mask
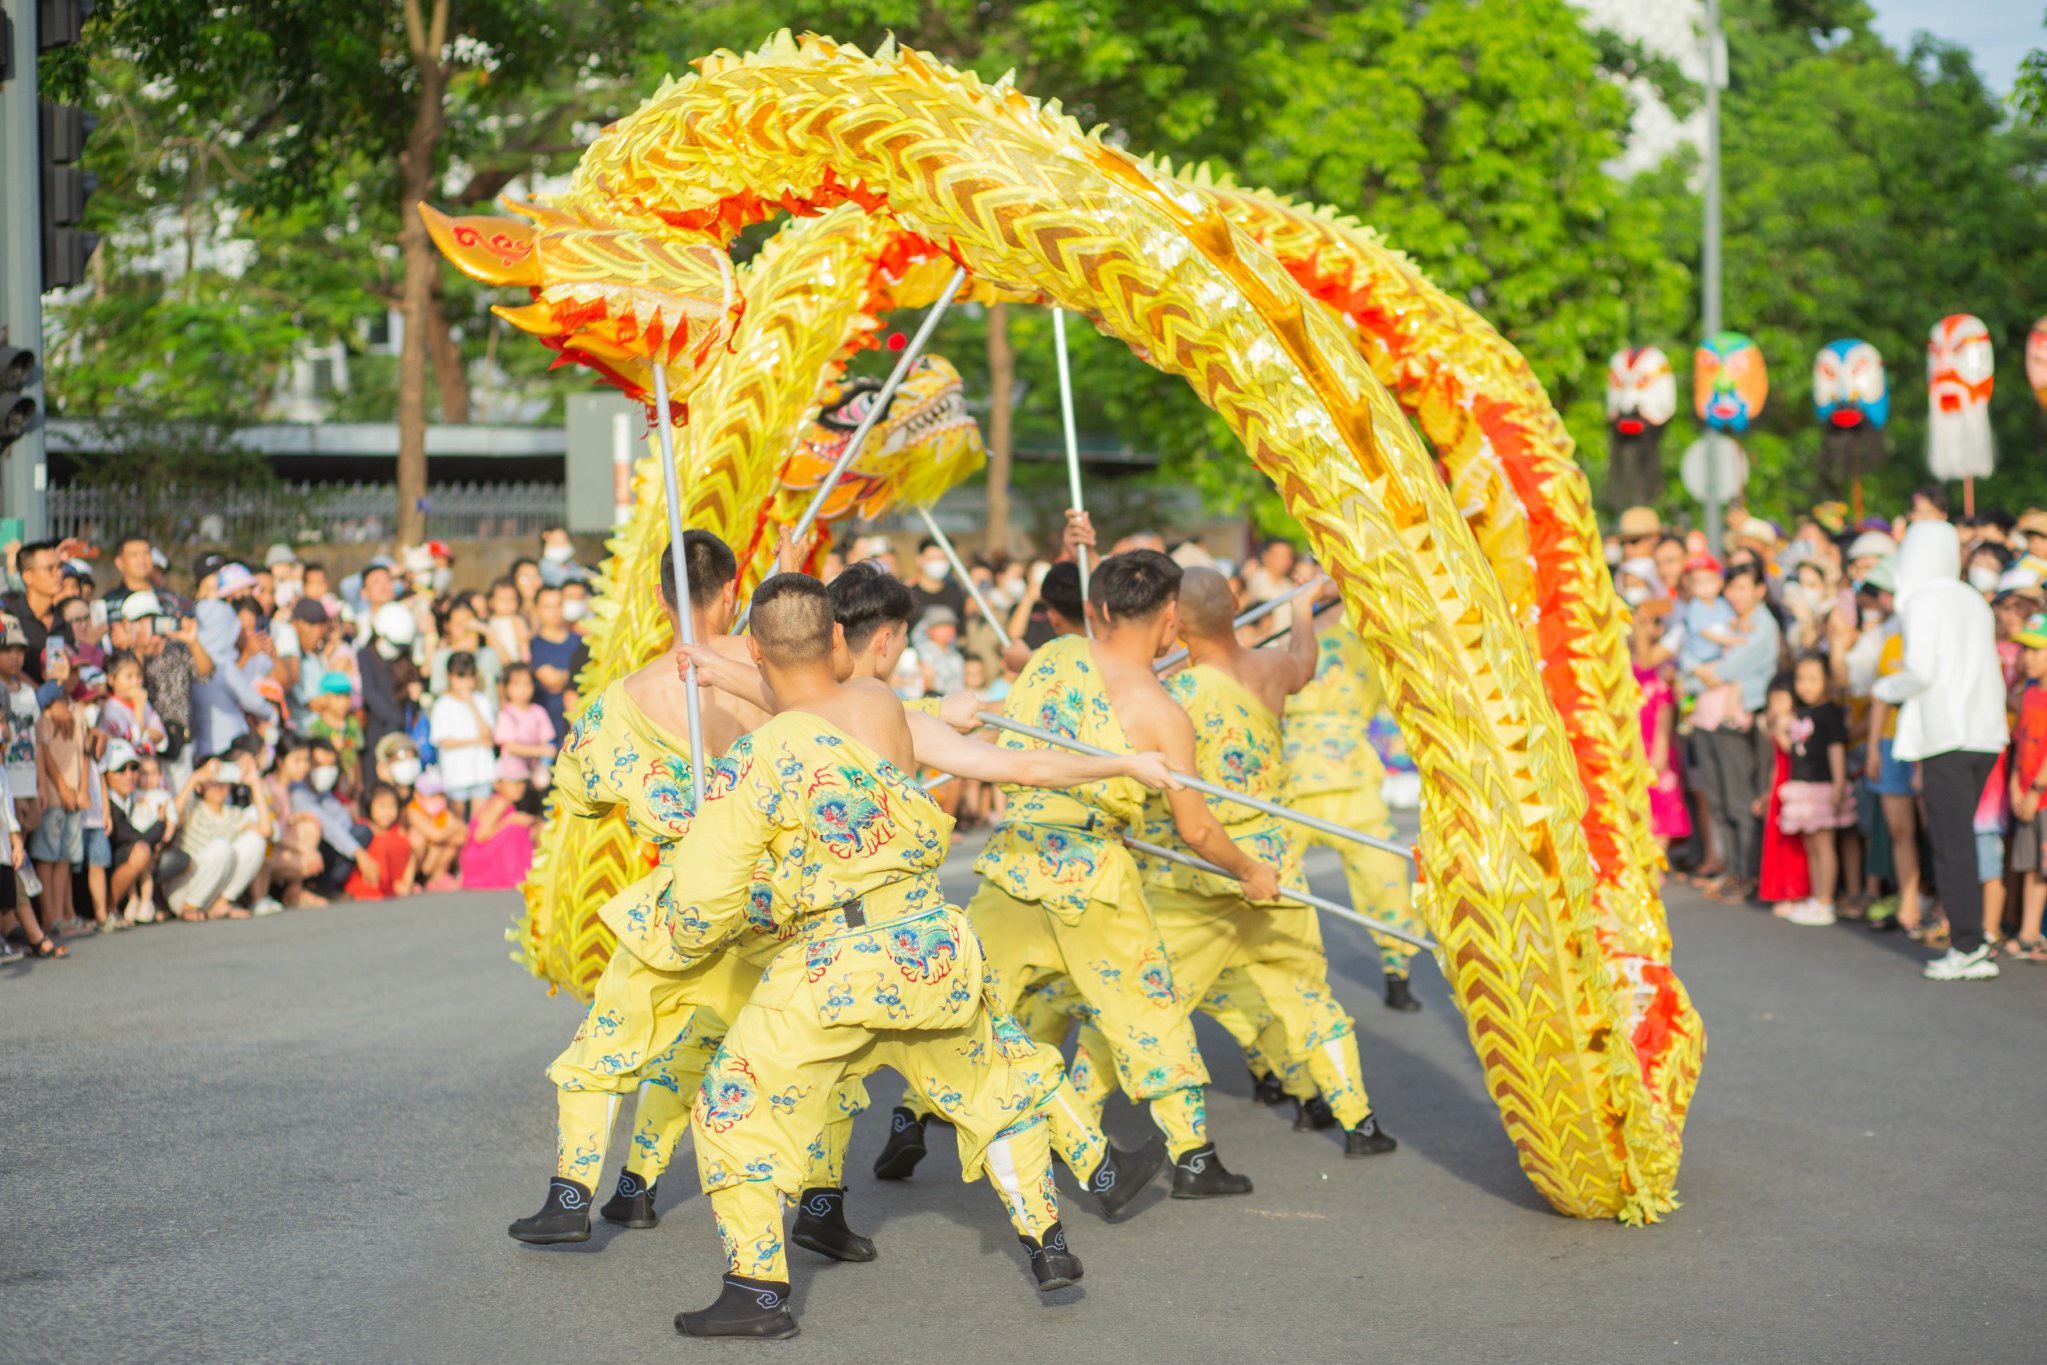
column 1641, row 398
column 1729, row 383
column 1848, row 385
column 2036, row 360
column 1959, row 371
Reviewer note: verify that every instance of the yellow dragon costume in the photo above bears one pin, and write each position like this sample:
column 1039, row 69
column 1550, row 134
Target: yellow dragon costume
column 1535, row 865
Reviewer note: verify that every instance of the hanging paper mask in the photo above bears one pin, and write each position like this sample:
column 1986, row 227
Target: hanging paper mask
column 1641, row 398
column 1959, row 370
column 1729, row 383
column 1853, row 399
column 2036, row 360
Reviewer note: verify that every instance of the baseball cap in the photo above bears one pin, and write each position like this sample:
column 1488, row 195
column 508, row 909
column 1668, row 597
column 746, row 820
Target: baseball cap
column 1638, row 522
column 279, row 553
column 2019, row 578
column 1704, row 561
column 310, row 611
column 337, row 685
column 430, row 784
column 140, row 606
column 233, row 580
column 390, row 746
column 120, row 754
column 2034, row 636
column 11, row 634
column 1872, row 545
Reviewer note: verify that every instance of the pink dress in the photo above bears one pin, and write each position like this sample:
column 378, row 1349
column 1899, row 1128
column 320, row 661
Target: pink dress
column 500, row 862
column 1668, row 818
column 528, row 724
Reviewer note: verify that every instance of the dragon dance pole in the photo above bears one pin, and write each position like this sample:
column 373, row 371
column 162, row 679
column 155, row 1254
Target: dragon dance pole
column 1377, row 926
column 867, row 423
column 683, row 610
column 1072, row 454
column 1330, row 827
column 966, row 579
column 1257, row 613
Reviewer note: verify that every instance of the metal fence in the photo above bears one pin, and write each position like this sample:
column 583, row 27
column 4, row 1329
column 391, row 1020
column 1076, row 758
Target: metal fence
column 299, row 513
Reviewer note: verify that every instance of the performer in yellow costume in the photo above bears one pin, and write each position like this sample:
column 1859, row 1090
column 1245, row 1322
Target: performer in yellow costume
column 1333, row 772
column 822, row 801
column 1061, row 895
column 1233, row 696
column 653, row 1023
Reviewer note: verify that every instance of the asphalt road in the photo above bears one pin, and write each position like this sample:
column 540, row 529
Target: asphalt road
column 301, row 1138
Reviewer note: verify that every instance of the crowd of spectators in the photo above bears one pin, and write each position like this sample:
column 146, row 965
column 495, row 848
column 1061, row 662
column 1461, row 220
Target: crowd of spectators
column 1848, row 722
column 275, row 737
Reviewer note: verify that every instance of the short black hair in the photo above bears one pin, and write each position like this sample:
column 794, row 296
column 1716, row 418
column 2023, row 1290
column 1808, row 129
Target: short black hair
column 524, row 562
column 865, row 598
column 711, row 566
column 1135, row 584
column 2000, row 517
column 1742, row 570
column 928, row 543
column 461, row 664
column 791, row 619
column 1060, row 590
column 1933, row 495
column 121, row 545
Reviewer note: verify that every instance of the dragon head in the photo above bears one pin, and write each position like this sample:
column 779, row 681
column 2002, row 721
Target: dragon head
column 618, row 301
column 924, row 444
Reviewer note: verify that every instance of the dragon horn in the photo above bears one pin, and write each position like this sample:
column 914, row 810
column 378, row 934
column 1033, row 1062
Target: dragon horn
column 493, row 250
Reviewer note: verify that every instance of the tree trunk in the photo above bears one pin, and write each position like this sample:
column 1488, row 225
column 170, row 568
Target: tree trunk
column 451, row 376
column 1001, row 439
column 422, row 265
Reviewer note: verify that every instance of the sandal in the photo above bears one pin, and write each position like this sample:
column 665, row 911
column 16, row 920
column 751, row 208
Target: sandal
column 48, row 947
column 2026, row 949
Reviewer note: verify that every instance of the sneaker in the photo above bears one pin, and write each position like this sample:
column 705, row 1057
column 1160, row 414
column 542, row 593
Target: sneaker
column 269, row 905
column 1787, row 909
column 1980, row 965
column 1811, row 914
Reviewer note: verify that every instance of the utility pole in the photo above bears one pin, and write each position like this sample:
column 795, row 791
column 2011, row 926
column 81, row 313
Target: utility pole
column 24, row 475
column 1709, row 302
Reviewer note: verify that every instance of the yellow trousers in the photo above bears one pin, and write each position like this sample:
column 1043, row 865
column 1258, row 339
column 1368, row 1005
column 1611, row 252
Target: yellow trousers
column 1235, row 1002
column 770, row 1089
column 655, row 1032
column 1377, row 879
column 1280, row 951
column 1124, row 978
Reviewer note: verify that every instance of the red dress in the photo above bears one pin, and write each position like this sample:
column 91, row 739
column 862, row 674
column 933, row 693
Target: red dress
column 1785, row 876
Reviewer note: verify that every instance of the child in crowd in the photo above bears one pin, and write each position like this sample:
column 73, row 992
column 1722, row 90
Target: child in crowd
column 1668, row 818
column 336, row 721
column 461, row 733
column 389, row 848
column 1814, row 803
column 500, row 848
column 436, row 835
column 525, row 733
column 58, row 843
column 936, row 641
column 1785, row 882
column 508, row 631
column 1706, row 621
column 2028, row 788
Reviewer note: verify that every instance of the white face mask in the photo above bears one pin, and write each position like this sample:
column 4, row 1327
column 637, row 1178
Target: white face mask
column 325, row 776
column 1984, row 579
column 558, row 554
column 444, row 578
column 935, row 568
column 404, row 771
column 1635, row 596
column 387, row 649
column 575, row 609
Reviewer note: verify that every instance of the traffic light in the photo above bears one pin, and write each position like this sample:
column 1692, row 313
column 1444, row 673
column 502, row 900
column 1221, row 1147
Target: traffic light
column 17, row 408
column 66, row 244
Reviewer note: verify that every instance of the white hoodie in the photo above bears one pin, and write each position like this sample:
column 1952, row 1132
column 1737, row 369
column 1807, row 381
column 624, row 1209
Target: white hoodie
column 1951, row 690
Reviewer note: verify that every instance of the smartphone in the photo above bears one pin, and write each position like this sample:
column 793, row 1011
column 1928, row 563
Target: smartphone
column 166, row 625
column 13, row 530
column 99, row 611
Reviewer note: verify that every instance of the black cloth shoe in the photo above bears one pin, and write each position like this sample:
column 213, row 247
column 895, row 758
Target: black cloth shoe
column 1123, row 1175
column 565, row 1217
column 1399, row 997
column 1313, row 1115
column 1200, row 1175
column 1053, row 1266
column 1267, row 1089
column 745, row 1308
column 633, row 1205
column 821, row 1227
column 1368, row 1138
column 904, row 1148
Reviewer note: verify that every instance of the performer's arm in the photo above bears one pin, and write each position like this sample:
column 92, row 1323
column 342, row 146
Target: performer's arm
column 1192, row 818
column 1301, row 646
column 940, row 746
column 733, row 677
column 711, row 867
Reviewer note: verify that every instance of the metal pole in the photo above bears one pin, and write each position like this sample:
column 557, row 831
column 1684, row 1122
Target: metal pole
column 966, row 579
column 1257, row 613
column 859, row 436
column 1377, row 926
column 684, row 613
column 1330, row 827
column 24, row 474
column 1072, row 455
column 1709, row 302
